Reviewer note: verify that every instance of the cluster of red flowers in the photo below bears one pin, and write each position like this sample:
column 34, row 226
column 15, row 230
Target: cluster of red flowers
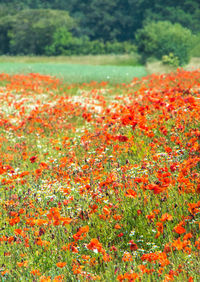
column 101, row 182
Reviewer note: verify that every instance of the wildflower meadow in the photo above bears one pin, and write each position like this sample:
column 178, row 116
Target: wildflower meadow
column 100, row 181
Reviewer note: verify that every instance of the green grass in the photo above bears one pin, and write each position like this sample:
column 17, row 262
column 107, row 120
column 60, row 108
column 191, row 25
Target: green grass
column 79, row 69
column 76, row 73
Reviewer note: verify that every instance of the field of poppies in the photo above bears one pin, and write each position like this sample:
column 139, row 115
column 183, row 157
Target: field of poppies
column 100, row 181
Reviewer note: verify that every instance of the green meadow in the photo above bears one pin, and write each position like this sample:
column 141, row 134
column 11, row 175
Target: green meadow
column 77, row 69
column 80, row 69
column 77, row 73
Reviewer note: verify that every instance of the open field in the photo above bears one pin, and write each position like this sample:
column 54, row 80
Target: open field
column 74, row 73
column 79, row 69
column 100, row 181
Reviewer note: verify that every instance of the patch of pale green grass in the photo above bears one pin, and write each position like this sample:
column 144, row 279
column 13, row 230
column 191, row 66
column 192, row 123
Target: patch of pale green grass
column 157, row 66
column 124, row 59
column 77, row 73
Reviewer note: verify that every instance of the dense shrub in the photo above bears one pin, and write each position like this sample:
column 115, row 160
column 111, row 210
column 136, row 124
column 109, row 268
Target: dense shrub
column 195, row 50
column 66, row 44
column 170, row 60
column 157, row 39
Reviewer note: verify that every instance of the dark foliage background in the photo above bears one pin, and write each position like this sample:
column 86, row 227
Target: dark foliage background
column 87, row 21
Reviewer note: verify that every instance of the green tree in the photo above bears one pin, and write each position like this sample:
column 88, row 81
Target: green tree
column 6, row 24
column 61, row 40
column 157, row 39
column 109, row 20
column 187, row 13
column 32, row 30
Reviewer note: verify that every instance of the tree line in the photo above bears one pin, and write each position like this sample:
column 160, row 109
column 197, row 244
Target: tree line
column 70, row 27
